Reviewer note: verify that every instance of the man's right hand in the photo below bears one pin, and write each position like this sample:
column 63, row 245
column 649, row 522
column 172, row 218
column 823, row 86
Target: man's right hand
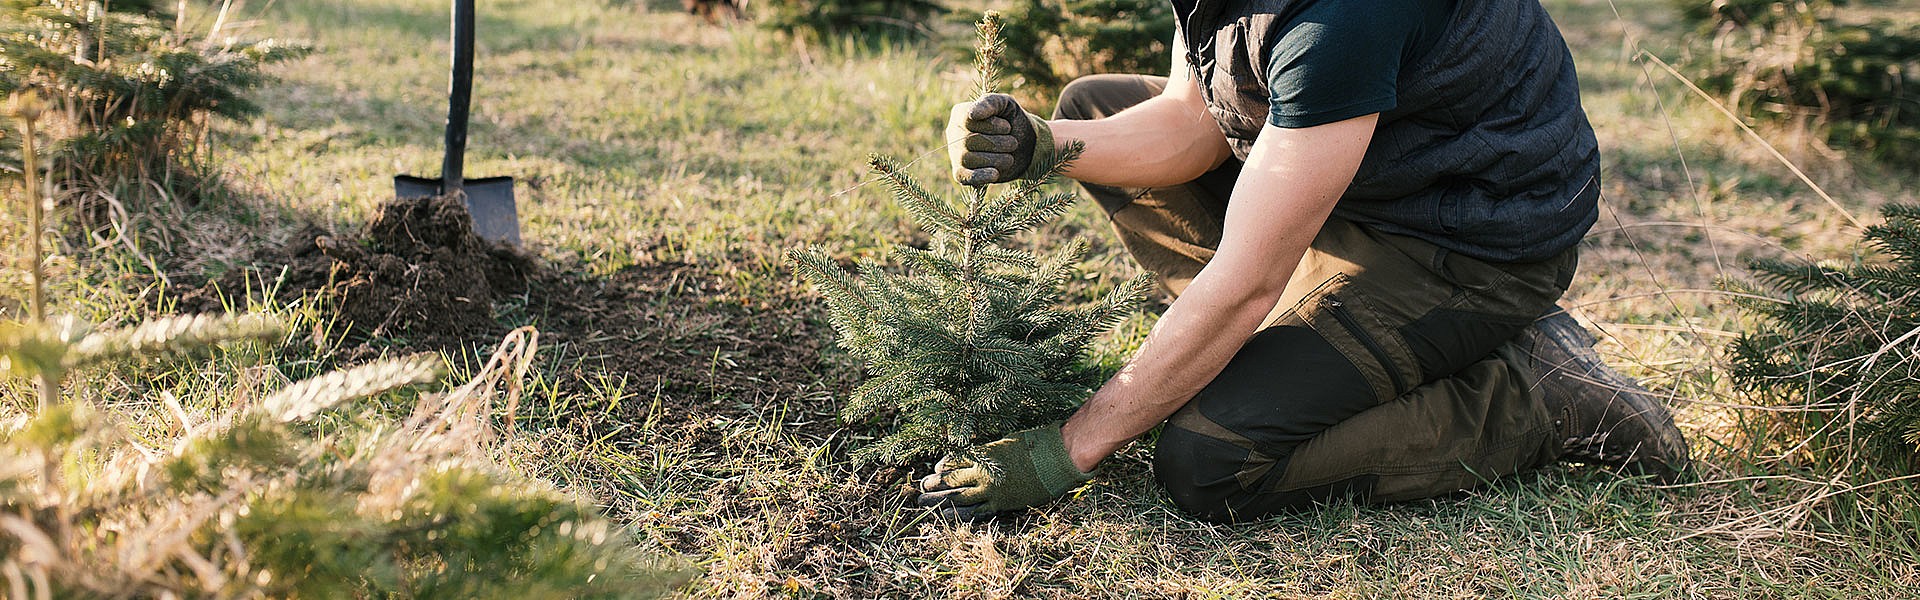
column 992, row 140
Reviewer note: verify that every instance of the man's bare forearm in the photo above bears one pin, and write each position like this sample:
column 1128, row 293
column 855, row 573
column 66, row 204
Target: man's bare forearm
column 1168, row 140
column 1155, row 143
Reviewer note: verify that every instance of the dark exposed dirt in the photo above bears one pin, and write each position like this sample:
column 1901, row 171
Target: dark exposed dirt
column 687, row 333
column 417, row 277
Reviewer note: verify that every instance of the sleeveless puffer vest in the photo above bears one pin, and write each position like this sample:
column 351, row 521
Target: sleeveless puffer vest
column 1488, row 152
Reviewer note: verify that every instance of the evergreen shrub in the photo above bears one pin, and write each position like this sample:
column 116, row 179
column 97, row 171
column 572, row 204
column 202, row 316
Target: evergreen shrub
column 966, row 340
column 134, row 90
column 1800, row 62
column 1838, row 351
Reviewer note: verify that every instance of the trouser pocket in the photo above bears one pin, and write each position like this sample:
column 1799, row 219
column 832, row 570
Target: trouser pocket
column 1345, row 317
column 1350, row 325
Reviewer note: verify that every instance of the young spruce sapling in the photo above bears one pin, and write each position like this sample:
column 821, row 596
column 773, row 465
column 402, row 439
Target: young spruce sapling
column 968, row 339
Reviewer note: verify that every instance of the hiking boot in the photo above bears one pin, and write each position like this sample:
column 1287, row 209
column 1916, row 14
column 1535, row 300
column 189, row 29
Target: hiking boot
column 1602, row 417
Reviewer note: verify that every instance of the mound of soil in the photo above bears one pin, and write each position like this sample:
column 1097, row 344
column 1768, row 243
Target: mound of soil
column 416, row 274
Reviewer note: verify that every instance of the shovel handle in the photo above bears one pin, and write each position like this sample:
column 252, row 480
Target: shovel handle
column 459, row 96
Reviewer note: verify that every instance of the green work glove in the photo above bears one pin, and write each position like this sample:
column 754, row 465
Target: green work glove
column 1033, row 469
column 991, row 140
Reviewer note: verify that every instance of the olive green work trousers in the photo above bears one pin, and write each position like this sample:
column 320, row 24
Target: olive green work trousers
column 1385, row 373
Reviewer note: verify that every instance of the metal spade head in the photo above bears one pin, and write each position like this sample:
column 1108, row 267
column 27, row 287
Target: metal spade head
column 489, row 200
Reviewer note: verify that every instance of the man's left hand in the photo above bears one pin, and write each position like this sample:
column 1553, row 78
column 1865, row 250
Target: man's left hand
column 1031, row 468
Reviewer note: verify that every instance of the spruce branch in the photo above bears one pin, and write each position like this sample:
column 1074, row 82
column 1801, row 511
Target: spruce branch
column 1901, row 211
column 38, row 350
column 173, row 336
column 1899, row 237
column 1028, row 217
column 988, row 50
column 929, row 262
column 878, row 392
column 817, row 268
column 932, row 213
column 1835, row 352
column 1015, row 197
column 308, row 397
column 1011, row 258
column 1052, row 277
column 48, row 350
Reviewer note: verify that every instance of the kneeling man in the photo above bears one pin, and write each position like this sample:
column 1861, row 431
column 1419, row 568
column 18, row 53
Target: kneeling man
column 1365, row 212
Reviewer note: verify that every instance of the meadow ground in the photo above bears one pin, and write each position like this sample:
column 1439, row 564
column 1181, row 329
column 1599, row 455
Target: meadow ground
column 689, row 384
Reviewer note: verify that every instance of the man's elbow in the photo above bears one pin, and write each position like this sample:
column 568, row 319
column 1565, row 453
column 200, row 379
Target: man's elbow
column 1191, row 138
column 1246, row 293
column 1189, row 162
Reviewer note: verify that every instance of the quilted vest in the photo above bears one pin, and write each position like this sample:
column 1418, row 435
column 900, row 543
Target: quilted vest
column 1488, row 152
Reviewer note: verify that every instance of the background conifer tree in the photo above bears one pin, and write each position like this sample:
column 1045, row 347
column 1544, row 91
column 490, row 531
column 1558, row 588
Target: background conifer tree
column 1841, row 350
column 136, row 87
column 1058, row 41
column 1843, row 70
column 968, row 341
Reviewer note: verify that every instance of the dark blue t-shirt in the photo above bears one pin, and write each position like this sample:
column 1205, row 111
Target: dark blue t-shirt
column 1340, row 59
column 1482, row 147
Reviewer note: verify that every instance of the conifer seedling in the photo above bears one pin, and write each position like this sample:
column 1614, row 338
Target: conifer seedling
column 966, row 340
column 1833, row 345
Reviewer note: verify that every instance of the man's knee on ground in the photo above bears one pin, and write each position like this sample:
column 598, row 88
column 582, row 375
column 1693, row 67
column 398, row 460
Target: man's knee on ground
column 1202, row 476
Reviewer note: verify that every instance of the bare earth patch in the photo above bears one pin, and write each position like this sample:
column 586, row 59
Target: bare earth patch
column 684, row 332
column 418, row 277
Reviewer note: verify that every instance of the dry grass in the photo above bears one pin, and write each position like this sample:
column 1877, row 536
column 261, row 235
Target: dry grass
column 271, row 498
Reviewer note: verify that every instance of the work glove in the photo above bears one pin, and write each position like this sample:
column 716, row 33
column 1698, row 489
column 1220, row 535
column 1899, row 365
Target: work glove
column 1032, row 468
column 991, row 140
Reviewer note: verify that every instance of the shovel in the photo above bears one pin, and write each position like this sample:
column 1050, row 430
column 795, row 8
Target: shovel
column 489, row 200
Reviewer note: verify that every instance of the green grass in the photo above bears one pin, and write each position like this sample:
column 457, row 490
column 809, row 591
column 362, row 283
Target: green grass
column 641, row 136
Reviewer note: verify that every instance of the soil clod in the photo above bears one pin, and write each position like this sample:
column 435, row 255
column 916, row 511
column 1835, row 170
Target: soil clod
column 417, row 274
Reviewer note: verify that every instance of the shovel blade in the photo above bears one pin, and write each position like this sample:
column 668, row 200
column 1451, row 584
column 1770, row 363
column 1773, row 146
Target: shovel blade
column 489, row 201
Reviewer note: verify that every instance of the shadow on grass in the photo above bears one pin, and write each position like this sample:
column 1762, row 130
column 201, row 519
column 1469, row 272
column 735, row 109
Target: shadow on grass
column 684, row 337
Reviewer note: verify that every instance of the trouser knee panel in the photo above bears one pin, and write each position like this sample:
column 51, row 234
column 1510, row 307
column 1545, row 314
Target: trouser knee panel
column 1200, row 473
column 1219, row 481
